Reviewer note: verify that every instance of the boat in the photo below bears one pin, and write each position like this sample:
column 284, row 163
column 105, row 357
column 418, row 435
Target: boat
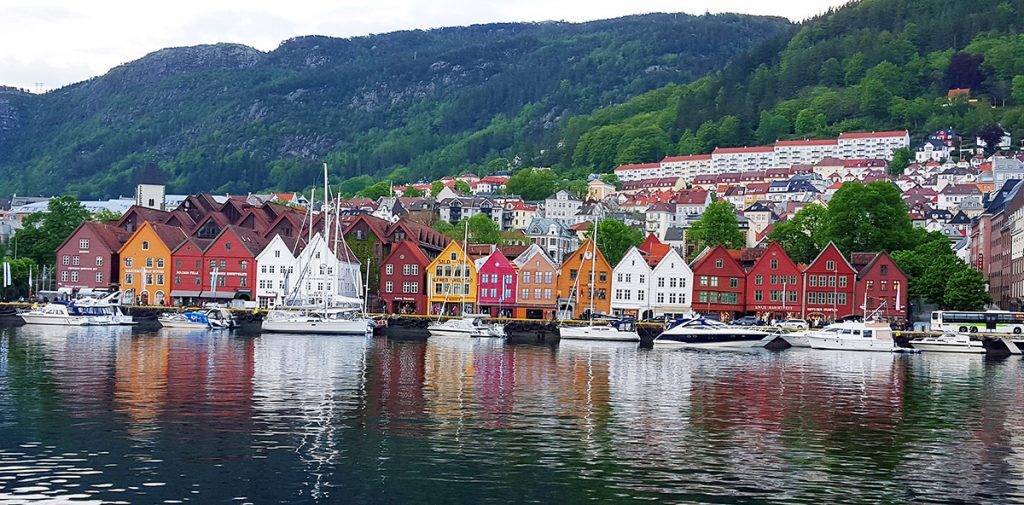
column 221, row 317
column 615, row 331
column 796, row 338
column 469, row 325
column 856, row 336
column 346, row 317
column 319, row 321
column 949, row 342
column 62, row 314
column 189, row 319
column 106, row 307
column 708, row 333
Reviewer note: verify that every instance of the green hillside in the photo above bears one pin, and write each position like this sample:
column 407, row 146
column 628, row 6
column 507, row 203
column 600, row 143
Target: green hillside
column 409, row 104
column 872, row 65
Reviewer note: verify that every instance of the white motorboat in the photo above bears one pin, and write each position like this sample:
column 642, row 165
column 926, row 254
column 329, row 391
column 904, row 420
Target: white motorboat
column 704, row 333
column 856, row 336
column 796, row 338
column 949, row 342
column 615, row 331
column 470, row 325
column 318, row 321
column 189, row 320
column 61, row 314
column 105, row 307
column 220, row 317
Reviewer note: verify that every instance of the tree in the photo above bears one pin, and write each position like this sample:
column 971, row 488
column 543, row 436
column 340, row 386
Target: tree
column 992, row 135
column 831, row 73
column 966, row 290
column 870, row 217
column 482, row 230
column 463, row 187
column 19, row 277
column 43, row 232
column 435, row 188
column 718, row 226
column 689, row 144
column 532, row 184
column 1018, row 89
column 800, row 236
column 106, row 216
column 771, row 127
column 612, row 179
column 411, row 192
column 964, row 70
column 901, row 158
column 874, row 99
column 376, row 191
column 614, row 238
column 809, row 122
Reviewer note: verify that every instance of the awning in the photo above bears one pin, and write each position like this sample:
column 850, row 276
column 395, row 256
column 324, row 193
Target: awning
column 219, row 295
column 177, row 293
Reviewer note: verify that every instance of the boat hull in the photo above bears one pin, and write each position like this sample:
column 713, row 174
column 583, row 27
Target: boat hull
column 354, row 327
column 184, row 324
column 599, row 333
column 710, row 341
column 847, row 344
column 447, row 332
column 56, row 320
column 948, row 348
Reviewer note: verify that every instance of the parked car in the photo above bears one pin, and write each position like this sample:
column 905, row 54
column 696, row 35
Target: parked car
column 748, row 321
column 794, row 324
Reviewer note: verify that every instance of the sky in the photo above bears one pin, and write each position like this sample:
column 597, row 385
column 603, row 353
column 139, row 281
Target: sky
column 46, row 44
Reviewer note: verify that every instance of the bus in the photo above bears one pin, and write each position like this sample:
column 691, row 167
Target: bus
column 978, row 322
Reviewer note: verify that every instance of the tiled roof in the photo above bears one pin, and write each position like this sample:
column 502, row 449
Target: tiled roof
column 738, row 150
column 869, row 135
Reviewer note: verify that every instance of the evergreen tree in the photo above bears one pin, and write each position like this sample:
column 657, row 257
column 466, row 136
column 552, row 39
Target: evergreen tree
column 717, row 226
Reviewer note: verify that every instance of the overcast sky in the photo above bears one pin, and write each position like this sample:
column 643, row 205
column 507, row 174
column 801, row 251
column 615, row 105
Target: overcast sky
column 61, row 42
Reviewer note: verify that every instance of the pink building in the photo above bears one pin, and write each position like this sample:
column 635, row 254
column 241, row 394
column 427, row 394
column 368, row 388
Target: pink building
column 497, row 283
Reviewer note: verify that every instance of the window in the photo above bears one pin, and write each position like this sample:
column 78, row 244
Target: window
column 159, row 262
column 640, row 295
column 227, row 246
column 438, row 272
column 830, row 265
column 223, row 264
column 883, row 285
column 177, row 280
column 222, row 280
column 277, row 254
column 199, row 282
column 842, row 281
column 842, row 299
column 66, row 260
column 714, row 281
column 719, row 263
column 453, row 256
column 526, row 294
column 618, row 277
column 389, row 286
column 83, row 243
column 243, row 281
column 64, row 276
column 99, row 261
column 243, row 265
column 414, row 269
column 149, row 279
column 74, row 276
column 604, row 276
column 145, row 245
column 672, row 282
column 703, row 280
column 437, row 288
column 758, row 296
column 896, row 286
column 758, row 280
column 773, row 264
column 885, row 270
column 869, row 285
column 812, row 281
column 661, row 297
column 661, row 282
column 734, row 282
column 618, row 294
column 213, row 264
column 406, row 269
column 642, row 278
column 389, row 269
column 149, row 262
column 573, row 274
column 99, row 277
column 160, row 278
column 547, row 294
column 792, row 296
column 547, row 277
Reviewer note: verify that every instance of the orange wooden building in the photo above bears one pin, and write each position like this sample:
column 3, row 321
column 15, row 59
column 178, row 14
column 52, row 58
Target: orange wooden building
column 146, row 262
column 595, row 276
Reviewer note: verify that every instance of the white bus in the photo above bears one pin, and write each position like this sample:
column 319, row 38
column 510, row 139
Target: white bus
column 978, row 322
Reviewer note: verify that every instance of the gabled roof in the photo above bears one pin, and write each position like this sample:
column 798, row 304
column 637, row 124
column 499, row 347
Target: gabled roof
column 531, row 251
column 251, row 240
column 633, row 252
column 200, row 244
column 864, row 262
column 112, row 237
column 412, row 248
column 145, row 213
column 831, row 245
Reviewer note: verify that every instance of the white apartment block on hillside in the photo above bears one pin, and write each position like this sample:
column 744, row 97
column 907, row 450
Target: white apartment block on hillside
column 739, row 159
column 805, row 152
column 686, row 167
column 872, row 144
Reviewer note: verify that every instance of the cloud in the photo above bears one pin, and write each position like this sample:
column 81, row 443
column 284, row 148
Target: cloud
column 59, row 42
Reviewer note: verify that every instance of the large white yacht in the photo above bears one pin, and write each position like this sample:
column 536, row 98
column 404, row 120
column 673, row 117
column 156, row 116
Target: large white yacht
column 63, row 314
column 336, row 321
column 855, row 336
column 614, row 331
column 708, row 333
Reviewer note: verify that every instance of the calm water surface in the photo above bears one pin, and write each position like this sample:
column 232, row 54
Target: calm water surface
column 107, row 415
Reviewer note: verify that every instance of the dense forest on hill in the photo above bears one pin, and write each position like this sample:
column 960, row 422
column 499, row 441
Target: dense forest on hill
column 400, row 105
column 869, row 66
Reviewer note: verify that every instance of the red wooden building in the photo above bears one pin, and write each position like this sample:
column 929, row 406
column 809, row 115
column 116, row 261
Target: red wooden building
column 403, row 278
column 187, row 271
column 774, row 285
column 881, row 286
column 829, row 285
column 497, row 283
column 719, row 283
column 88, row 259
column 230, row 259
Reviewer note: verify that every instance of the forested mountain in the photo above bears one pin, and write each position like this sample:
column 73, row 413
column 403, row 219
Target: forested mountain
column 871, row 65
column 410, row 104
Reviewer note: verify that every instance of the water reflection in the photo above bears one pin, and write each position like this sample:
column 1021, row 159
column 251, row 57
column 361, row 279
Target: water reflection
column 121, row 415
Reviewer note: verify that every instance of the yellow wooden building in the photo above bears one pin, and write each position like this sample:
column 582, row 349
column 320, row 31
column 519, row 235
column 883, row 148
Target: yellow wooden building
column 451, row 282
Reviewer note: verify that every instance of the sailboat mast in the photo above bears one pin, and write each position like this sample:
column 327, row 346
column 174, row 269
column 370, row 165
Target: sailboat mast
column 593, row 273
column 465, row 268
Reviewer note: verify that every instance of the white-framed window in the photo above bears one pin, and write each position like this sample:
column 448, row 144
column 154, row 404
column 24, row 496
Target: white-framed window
column 145, row 245
column 526, row 294
column 75, row 260
column 129, row 278
column 160, row 263
column 389, row 269
column 99, row 261
column 99, row 277
column 64, row 276
column 547, row 294
column 389, row 287
column 74, row 276
column 415, row 270
column 66, row 260
column 83, row 244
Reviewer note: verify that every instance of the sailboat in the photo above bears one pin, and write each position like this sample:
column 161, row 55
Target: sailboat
column 615, row 331
column 468, row 325
column 322, row 318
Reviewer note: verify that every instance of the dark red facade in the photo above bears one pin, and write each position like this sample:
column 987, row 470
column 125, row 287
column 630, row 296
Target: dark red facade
column 187, row 271
column 403, row 277
column 231, row 260
column 829, row 286
column 881, row 286
column 719, row 283
column 88, row 259
column 775, row 285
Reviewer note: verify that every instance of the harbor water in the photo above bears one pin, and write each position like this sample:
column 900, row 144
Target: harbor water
column 116, row 415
